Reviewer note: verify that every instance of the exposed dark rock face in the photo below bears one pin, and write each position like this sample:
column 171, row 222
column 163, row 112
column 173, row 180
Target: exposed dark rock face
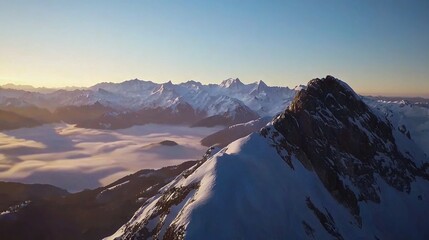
column 168, row 143
column 41, row 115
column 325, row 219
column 335, row 134
column 81, row 115
column 172, row 197
column 242, row 115
column 15, row 193
column 11, row 120
column 404, row 130
column 308, row 229
column 182, row 114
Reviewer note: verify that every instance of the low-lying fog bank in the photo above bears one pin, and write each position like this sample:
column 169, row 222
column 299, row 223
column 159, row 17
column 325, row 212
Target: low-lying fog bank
column 77, row 158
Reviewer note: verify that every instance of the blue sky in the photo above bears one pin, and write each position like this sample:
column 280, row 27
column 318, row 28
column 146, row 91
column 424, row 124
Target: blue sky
column 378, row 47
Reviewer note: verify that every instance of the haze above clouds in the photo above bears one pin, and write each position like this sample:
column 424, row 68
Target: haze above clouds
column 77, row 158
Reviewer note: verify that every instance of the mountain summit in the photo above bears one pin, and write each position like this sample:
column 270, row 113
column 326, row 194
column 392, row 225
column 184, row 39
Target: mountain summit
column 231, row 83
column 328, row 167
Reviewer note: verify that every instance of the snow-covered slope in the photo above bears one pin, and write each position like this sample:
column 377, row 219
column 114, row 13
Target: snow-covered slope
column 328, row 167
column 234, row 132
column 410, row 118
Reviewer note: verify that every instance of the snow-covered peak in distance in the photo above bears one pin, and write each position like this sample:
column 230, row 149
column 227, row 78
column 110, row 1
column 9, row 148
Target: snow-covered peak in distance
column 192, row 83
column 261, row 83
column 328, row 167
column 168, row 86
column 134, row 86
column 299, row 87
column 231, row 83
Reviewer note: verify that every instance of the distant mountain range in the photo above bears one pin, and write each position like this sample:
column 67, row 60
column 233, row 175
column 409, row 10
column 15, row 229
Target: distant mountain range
column 38, row 89
column 137, row 102
column 121, row 105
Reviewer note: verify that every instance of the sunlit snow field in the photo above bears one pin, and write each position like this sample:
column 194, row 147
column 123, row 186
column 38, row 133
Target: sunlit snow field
column 76, row 158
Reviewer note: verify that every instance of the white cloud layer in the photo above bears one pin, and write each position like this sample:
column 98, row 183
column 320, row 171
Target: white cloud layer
column 77, row 158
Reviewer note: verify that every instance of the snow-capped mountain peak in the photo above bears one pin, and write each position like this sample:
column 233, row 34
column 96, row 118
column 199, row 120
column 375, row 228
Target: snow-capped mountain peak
column 261, row 83
column 231, row 83
column 300, row 87
column 168, row 86
column 259, row 88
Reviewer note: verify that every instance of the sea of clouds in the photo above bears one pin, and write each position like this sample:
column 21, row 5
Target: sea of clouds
column 76, row 158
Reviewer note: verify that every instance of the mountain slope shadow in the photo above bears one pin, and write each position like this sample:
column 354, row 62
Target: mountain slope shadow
column 53, row 213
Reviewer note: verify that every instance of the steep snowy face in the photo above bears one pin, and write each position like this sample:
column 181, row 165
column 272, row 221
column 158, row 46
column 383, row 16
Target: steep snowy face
column 328, row 167
column 411, row 119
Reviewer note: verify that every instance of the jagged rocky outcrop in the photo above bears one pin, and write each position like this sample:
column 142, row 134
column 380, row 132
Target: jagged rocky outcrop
column 338, row 136
column 328, row 167
column 11, row 120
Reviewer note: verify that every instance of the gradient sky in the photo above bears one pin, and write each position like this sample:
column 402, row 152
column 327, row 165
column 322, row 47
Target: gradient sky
column 378, row 47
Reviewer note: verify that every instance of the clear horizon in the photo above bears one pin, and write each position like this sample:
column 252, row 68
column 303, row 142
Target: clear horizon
column 378, row 48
